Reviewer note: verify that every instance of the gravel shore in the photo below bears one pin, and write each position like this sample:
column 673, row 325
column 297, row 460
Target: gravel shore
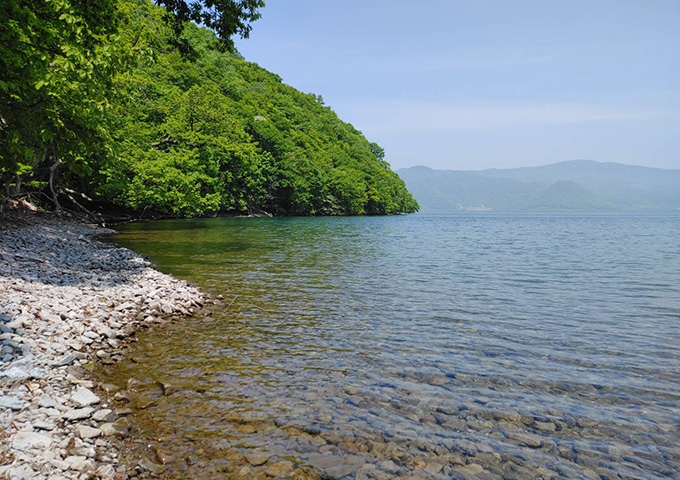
column 66, row 301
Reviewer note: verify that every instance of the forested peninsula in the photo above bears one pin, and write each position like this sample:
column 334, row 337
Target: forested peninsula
column 107, row 104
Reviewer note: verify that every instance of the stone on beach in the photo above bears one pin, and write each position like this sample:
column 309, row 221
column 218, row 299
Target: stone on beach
column 65, row 297
column 21, row 472
column 106, row 472
column 78, row 413
column 47, row 402
column 65, row 360
column 44, row 425
column 84, row 397
column 29, row 440
column 22, row 369
column 80, row 463
column 13, row 403
column 86, row 432
column 105, row 415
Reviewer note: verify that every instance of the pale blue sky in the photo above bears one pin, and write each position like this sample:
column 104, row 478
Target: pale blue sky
column 473, row 84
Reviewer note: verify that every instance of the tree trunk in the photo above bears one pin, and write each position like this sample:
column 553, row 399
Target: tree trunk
column 4, row 199
column 17, row 185
column 53, row 170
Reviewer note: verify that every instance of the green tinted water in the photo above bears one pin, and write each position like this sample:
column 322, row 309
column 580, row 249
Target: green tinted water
column 442, row 347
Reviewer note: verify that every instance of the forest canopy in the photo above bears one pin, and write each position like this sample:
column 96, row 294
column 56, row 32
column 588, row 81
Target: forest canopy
column 225, row 17
column 111, row 101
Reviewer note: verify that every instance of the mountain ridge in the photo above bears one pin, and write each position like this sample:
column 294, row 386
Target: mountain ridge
column 567, row 186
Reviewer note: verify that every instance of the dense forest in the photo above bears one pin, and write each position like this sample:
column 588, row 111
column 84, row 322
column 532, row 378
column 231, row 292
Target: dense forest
column 109, row 103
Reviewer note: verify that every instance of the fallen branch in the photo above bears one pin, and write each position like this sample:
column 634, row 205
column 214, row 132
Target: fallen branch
column 96, row 217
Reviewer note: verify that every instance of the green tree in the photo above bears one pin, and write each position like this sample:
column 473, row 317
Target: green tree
column 225, row 17
column 57, row 59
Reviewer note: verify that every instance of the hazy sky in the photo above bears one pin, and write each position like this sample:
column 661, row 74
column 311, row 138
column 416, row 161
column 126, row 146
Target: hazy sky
column 472, row 84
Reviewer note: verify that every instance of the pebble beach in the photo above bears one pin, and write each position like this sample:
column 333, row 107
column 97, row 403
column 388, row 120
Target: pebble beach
column 68, row 300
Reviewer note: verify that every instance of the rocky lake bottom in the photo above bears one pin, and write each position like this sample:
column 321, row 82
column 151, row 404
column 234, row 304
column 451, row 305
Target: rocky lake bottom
column 470, row 347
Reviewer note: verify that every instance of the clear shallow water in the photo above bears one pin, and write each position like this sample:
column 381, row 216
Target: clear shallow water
column 428, row 346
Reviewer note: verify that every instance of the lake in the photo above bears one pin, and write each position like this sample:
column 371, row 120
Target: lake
column 463, row 346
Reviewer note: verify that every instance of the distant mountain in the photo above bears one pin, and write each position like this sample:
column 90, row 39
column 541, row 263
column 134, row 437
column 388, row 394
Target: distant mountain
column 572, row 186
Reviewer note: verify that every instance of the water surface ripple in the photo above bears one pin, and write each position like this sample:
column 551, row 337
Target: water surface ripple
column 488, row 346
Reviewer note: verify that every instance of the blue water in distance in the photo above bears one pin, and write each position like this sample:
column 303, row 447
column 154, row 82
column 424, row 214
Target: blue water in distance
column 505, row 346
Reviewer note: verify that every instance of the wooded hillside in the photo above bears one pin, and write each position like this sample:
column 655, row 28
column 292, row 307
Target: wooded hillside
column 133, row 115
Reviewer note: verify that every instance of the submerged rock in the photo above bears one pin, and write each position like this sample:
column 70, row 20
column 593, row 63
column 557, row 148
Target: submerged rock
column 528, row 439
column 105, row 415
column 256, row 459
column 147, row 465
column 119, row 428
column 167, row 388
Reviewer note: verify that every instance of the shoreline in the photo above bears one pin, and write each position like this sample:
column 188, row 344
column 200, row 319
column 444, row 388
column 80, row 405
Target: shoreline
column 68, row 300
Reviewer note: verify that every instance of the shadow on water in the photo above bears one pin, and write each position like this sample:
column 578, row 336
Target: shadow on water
column 414, row 347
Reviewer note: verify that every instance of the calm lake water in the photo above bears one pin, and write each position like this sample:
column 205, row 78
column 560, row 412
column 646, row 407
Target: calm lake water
column 487, row 346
